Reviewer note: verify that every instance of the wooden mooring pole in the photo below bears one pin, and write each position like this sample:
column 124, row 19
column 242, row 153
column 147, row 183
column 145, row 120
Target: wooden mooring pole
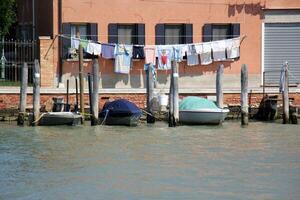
column 81, row 79
column 285, row 95
column 174, row 97
column 150, row 91
column 175, row 91
column 244, row 95
column 36, row 93
column 95, row 94
column 171, row 119
column 219, row 86
column 23, row 95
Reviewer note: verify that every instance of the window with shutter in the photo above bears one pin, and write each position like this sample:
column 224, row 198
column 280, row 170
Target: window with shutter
column 173, row 34
column 126, row 33
column 66, row 42
column 213, row 32
column 81, row 29
column 87, row 31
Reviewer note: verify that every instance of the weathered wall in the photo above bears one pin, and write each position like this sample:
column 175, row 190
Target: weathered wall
column 279, row 4
column 249, row 15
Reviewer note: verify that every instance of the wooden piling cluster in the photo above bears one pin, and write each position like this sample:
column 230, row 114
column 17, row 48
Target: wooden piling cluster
column 150, row 94
column 219, row 86
column 285, row 95
column 36, row 93
column 81, row 83
column 174, row 96
column 244, row 95
column 93, row 81
column 23, row 94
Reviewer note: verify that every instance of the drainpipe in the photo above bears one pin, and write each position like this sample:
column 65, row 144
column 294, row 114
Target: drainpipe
column 33, row 29
column 60, row 42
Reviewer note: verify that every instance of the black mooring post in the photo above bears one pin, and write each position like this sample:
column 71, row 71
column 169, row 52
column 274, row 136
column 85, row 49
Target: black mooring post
column 90, row 98
column 67, row 106
column 76, row 86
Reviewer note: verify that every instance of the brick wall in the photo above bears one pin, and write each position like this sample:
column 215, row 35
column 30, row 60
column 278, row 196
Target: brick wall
column 12, row 100
column 47, row 62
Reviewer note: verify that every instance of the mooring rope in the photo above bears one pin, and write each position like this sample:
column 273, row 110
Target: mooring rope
column 106, row 114
column 39, row 118
column 147, row 113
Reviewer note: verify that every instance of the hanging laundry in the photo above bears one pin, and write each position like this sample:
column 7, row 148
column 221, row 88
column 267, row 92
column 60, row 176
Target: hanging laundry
column 75, row 43
column 107, row 51
column 84, row 43
column 178, row 52
column 192, row 56
column 233, row 48
column 164, row 54
column 93, row 48
column 205, row 53
column 282, row 79
column 219, row 50
column 138, row 52
column 151, row 67
column 123, row 55
column 150, row 54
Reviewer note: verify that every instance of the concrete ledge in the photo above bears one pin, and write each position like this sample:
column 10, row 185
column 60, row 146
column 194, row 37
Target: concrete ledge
column 16, row 90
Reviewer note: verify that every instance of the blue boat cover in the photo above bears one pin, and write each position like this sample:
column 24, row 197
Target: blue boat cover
column 120, row 107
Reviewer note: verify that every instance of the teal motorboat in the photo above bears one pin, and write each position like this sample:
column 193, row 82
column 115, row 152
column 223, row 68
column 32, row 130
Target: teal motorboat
column 197, row 110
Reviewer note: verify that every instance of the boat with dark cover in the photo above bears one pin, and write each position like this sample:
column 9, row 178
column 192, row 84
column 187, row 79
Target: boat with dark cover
column 120, row 112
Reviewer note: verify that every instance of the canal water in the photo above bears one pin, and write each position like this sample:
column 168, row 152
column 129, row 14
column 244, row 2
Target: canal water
column 150, row 162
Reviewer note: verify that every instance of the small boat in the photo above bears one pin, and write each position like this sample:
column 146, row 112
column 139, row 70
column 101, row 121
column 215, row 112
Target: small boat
column 197, row 110
column 60, row 118
column 120, row 112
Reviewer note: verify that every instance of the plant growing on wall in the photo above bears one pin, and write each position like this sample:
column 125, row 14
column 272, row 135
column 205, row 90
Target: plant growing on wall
column 7, row 15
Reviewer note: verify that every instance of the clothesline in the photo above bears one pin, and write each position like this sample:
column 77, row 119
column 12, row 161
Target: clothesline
column 59, row 35
column 198, row 43
column 159, row 55
column 134, row 35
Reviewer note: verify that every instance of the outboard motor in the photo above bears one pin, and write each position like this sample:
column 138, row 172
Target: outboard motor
column 58, row 104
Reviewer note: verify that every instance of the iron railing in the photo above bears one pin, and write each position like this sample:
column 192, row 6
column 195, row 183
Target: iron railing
column 13, row 54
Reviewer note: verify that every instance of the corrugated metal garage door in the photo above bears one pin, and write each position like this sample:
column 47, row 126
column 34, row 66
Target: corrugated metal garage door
column 282, row 43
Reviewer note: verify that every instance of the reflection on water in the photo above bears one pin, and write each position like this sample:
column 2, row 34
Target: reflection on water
column 150, row 162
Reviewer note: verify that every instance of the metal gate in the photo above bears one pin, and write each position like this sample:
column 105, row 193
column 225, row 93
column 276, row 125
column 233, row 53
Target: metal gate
column 281, row 43
column 13, row 54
